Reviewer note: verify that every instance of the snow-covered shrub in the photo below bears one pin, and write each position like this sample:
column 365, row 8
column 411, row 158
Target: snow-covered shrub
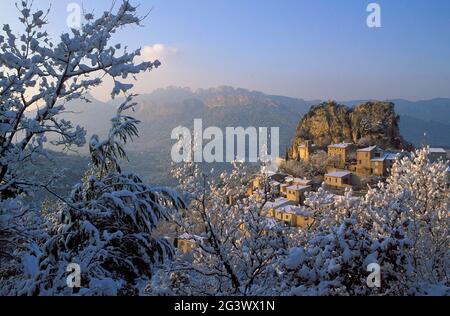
column 107, row 228
column 63, row 71
column 415, row 198
column 401, row 224
column 330, row 210
column 37, row 79
column 236, row 245
column 335, row 261
column 21, row 229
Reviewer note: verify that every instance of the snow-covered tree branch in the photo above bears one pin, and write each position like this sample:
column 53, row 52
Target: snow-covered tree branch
column 236, row 245
column 107, row 224
column 39, row 77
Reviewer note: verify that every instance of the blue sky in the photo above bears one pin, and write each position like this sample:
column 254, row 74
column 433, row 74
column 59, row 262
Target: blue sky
column 313, row 49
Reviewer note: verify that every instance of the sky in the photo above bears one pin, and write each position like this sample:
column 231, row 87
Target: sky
column 311, row 49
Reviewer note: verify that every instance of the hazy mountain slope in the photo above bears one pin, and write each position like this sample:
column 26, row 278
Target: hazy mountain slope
column 421, row 132
column 436, row 110
column 65, row 170
column 220, row 107
column 95, row 116
column 165, row 109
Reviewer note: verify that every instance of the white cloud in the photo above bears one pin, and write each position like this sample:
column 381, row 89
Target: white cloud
column 158, row 51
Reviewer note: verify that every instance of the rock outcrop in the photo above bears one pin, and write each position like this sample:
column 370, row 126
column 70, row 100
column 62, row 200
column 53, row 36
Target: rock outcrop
column 370, row 123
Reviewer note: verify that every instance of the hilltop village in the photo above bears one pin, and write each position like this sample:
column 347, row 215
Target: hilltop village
column 350, row 168
column 336, row 148
column 282, row 195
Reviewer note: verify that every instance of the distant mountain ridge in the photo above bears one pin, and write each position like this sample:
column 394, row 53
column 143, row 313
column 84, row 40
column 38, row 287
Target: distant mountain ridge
column 164, row 109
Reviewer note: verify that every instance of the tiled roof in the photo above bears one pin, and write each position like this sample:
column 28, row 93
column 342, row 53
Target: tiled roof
column 298, row 187
column 389, row 156
column 368, row 148
column 277, row 203
column 338, row 174
column 438, row 150
column 392, row 156
column 291, row 209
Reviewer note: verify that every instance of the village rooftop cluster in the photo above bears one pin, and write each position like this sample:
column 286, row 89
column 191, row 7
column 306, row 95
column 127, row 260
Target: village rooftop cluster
column 350, row 169
column 282, row 195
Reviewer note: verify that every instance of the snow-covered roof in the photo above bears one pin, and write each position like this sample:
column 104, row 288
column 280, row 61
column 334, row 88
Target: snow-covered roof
column 284, row 185
column 279, row 202
column 388, row 156
column 298, row 187
column 392, row 156
column 275, row 183
column 289, row 179
column 438, row 150
column 292, row 209
column 285, row 209
column 368, row 148
column 338, row 174
column 341, row 145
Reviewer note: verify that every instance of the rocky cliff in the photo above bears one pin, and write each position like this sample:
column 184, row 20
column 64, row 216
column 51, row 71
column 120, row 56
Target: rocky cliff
column 370, row 123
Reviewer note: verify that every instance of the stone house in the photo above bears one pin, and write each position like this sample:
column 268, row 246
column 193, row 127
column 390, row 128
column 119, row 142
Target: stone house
column 303, row 151
column 296, row 193
column 339, row 179
column 341, row 152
